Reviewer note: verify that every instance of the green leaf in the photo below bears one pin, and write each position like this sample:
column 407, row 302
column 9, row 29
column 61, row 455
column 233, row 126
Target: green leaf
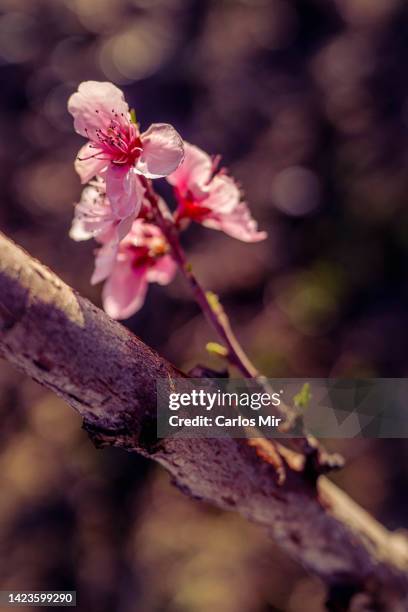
column 302, row 399
column 214, row 348
column 133, row 116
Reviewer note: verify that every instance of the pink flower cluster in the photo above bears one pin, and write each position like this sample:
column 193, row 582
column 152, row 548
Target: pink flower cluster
column 118, row 162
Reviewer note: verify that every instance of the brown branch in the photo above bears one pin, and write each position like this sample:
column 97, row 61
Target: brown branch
column 109, row 376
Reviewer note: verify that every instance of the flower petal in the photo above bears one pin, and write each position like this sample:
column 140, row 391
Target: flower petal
column 194, row 172
column 95, row 105
column 223, row 194
column 124, row 190
column 78, row 231
column 104, row 261
column 163, row 271
column 88, row 163
column 124, row 226
column 93, row 214
column 239, row 224
column 125, row 290
column 162, row 151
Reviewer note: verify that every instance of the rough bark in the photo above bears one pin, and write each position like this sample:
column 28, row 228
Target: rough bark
column 109, row 376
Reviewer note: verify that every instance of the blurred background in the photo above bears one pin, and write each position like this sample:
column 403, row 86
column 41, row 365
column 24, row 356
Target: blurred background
column 307, row 101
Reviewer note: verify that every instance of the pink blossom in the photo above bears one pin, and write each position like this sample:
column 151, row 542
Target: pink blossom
column 95, row 218
column 211, row 198
column 141, row 258
column 116, row 149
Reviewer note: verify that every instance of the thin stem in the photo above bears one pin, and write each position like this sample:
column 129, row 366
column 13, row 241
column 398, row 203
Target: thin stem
column 208, row 303
column 215, row 314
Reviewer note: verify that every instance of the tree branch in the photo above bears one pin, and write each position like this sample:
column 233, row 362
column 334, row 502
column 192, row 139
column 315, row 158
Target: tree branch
column 109, row 376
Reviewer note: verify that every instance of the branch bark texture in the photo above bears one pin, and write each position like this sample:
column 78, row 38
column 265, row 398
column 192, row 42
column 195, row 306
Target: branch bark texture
column 109, row 376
